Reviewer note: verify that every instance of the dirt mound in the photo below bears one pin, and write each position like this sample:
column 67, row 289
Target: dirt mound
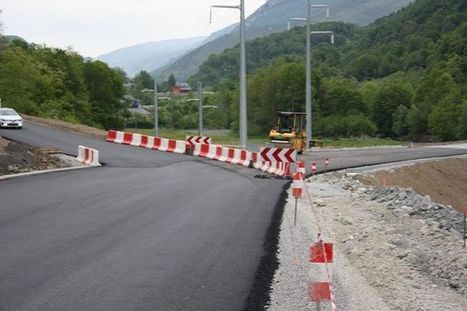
column 445, row 181
column 20, row 158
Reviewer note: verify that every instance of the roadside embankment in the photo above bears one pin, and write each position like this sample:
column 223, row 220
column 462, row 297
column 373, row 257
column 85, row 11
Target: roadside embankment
column 394, row 249
column 444, row 181
column 67, row 126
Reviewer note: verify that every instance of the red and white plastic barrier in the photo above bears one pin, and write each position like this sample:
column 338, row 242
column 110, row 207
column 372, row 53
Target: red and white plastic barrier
column 276, row 168
column 320, row 288
column 268, row 154
column 219, row 153
column 276, row 161
column 145, row 141
column 88, row 156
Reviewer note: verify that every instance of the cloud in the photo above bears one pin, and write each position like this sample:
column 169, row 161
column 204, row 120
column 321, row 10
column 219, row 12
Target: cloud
column 93, row 27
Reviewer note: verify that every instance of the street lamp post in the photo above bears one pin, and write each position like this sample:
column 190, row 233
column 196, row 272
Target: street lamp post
column 308, row 102
column 243, row 91
column 156, row 112
column 200, row 108
column 156, row 108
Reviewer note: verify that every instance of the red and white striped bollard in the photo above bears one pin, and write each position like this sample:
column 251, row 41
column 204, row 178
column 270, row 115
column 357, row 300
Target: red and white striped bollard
column 320, row 288
column 297, row 188
column 314, row 168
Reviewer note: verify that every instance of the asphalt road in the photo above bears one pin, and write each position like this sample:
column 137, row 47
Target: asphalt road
column 341, row 159
column 148, row 231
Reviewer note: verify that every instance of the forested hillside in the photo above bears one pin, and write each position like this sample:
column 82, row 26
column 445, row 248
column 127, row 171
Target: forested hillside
column 403, row 76
column 272, row 17
column 61, row 84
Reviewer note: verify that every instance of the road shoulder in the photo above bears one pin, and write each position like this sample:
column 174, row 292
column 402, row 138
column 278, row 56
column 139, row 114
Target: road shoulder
column 387, row 256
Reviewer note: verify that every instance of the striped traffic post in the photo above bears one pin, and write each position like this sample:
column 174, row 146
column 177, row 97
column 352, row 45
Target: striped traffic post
column 320, row 287
column 297, row 186
column 314, row 168
column 301, row 168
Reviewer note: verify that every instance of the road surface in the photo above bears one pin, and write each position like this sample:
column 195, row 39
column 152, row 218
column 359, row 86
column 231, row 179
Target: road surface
column 148, row 231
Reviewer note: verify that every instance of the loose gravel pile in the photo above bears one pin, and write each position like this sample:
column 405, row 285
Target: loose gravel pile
column 444, row 263
column 394, row 249
column 405, row 201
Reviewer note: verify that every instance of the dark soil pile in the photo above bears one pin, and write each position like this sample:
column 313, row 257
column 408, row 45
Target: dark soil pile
column 20, row 158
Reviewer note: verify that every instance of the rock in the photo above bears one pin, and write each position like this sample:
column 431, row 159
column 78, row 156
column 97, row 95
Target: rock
column 424, row 207
column 403, row 254
column 381, row 200
column 346, row 220
column 444, row 224
column 454, row 284
column 13, row 169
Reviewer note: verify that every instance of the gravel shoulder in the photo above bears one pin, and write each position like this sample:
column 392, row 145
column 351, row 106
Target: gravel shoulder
column 394, row 248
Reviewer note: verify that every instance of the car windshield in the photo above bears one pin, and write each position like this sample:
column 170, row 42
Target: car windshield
column 8, row 112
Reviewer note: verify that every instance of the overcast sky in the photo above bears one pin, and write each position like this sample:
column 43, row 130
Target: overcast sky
column 94, row 27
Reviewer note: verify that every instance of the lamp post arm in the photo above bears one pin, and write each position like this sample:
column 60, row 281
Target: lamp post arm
column 221, row 7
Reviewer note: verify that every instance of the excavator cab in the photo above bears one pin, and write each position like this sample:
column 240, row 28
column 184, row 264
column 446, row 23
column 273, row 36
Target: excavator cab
column 289, row 131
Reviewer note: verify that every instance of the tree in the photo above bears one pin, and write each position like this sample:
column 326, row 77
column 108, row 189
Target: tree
column 340, row 96
column 171, row 81
column 399, row 125
column 463, row 122
column 443, row 120
column 105, row 89
column 416, row 123
column 385, row 104
column 143, row 80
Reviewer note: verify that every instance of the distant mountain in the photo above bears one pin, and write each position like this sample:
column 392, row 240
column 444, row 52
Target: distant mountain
column 149, row 56
column 273, row 17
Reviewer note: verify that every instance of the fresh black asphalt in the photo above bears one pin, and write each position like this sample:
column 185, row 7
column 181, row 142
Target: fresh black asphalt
column 342, row 159
column 148, row 231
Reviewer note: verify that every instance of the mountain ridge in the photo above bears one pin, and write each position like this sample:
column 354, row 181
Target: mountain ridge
column 272, row 17
column 150, row 55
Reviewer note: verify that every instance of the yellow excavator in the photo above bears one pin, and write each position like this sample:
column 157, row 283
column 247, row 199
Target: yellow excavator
column 289, row 131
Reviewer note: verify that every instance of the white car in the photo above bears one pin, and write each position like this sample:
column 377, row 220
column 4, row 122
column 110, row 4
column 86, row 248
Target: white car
column 10, row 118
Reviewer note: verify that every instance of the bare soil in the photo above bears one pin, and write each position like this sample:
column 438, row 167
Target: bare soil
column 445, row 181
column 69, row 127
column 20, row 158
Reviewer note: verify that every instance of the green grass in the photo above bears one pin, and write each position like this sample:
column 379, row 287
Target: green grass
column 221, row 137
column 226, row 137
column 359, row 142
